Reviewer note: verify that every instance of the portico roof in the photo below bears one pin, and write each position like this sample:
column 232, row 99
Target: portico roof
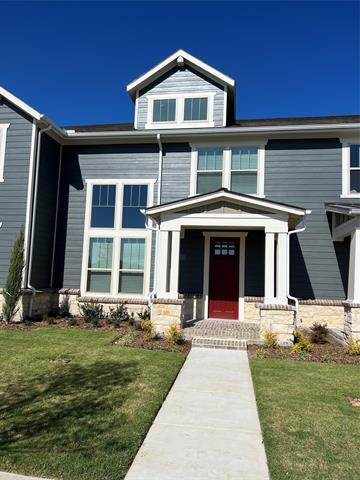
column 226, row 195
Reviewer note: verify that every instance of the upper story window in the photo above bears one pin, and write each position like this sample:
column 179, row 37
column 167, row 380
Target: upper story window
column 351, row 169
column 195, row 109
column 116, row 243
column 183, row 110
column 3, row 132
column 237, row 168
column 164, row 110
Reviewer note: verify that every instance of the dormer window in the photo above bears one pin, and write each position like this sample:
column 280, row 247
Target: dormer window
column 164, row 110
column 183, row 110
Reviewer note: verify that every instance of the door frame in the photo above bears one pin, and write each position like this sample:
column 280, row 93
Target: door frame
column 242, row 241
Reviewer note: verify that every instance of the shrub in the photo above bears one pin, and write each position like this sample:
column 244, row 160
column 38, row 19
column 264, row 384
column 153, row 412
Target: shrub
column 302, row 343
column 353, row 347
column 319, row 333
column 12, row 290
column 145, row 314
column 132, row 319
column 148, row 327
column 64, row 307
column 49, row 320
column 260, row 353
column 72, row 321
column 270, row 340
column 174, row 335
column 118, row 314
column 92, row 312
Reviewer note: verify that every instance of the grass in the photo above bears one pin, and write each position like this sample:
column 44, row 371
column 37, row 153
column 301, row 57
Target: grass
column 310, row 428
column 72, row 406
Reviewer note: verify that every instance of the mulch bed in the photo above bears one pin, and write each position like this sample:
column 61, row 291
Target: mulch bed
column 126, row 335
column 329, row 352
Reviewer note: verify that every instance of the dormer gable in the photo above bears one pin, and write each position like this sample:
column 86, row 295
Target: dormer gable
column 182, row 92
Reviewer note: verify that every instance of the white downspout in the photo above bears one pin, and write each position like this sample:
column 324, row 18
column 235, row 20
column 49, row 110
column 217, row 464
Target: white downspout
column 290, row 297
column 33, row 290
column 153, row 292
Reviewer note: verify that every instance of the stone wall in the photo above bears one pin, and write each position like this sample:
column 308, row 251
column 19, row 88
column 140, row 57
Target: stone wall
column 166, row 312
column 330, row 312
column 280, row 320
column 251, row 310
column 352, row 321
column 43, row 303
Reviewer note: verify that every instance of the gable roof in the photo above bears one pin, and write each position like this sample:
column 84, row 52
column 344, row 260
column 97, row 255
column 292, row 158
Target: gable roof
column 227, row 195
column 20, row 104
column 180, row 57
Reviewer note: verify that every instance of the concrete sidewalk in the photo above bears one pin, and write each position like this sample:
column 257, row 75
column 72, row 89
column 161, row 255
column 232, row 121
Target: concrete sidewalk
column 208, row 427
column 13, row 476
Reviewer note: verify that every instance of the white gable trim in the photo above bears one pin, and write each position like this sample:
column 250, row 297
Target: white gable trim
column 180, row 57
column 3, row 133
column 20, row 104
column 224, row 195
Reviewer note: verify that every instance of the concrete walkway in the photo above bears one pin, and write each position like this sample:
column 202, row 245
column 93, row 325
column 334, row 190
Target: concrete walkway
column 208, row 427
column 13, row 476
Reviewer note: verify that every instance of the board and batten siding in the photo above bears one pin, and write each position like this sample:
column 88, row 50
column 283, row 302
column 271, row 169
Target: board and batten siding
column 109, row 162
column 14, row 189
column 308, row 173
column 181, row 80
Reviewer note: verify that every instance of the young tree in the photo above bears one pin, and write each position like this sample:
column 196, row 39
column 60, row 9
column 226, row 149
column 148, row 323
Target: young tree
column 12, row 290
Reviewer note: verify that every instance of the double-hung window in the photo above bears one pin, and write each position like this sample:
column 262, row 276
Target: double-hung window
column 116, row 243
column 195, row 109
column 209, row 169
column 351, row 169
column 244, row 168
column 236, row 168
column 164, row 110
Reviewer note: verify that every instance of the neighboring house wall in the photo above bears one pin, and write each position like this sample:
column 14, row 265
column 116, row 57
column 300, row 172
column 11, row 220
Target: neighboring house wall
column 45, row 212
column 307, row 173
column 181, row 81
column 13, row 191
column 112, row 162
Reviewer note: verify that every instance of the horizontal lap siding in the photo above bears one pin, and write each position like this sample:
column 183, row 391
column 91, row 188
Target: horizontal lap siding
column 13, row 191
column 308, row 173
column 181, row 81
column 108, row 162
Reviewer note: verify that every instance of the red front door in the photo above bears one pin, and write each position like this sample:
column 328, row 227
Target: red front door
column 224, row 278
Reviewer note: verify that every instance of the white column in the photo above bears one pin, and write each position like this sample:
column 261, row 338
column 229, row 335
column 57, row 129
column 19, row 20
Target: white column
column 163, row 262
column 354, row 267
column 281, row 268
column 269, row 267
column 174, row 265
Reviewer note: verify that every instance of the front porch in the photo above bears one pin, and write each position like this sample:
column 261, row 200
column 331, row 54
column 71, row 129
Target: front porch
column 224, row 222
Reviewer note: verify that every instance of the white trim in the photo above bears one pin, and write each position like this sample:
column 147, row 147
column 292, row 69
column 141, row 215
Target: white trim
column 346, row 168
column 29, row 202
column 345, row 229
column 238, row 198
column 354, row 267
column 206, row 272
column 180, row 56
column 269, row 292
column 117, row 233
column 227, row 171
column 136, row 110
column 179, row 121
column 3, row 134
column 225, row 106
column 20, row 104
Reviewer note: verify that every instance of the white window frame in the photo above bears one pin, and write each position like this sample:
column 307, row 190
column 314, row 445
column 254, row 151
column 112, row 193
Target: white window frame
column 179, row 111
column 346, row 168
column 117, row 233
column 3, row 134
column 226, row 173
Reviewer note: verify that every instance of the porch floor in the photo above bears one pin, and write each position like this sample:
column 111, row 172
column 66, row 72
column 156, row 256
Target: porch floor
column 222, row 329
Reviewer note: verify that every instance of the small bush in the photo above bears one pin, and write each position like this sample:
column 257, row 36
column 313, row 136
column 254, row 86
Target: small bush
column 260, row 353
column 64, row 307
column 148, row 327
column 72, row 321
column 145, row 314
column 92, row 312
column 302, row 343
column 132, row 319
column 319, row 333
column 118, row 315
column 174, row 335
column 353, row 347
column 49, row 320
column 270, row 340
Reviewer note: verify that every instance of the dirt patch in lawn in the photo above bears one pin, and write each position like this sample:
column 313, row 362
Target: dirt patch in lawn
column 329, row 352
column 126, row 335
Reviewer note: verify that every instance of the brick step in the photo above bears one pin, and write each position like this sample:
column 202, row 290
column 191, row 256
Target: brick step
column 228, row 343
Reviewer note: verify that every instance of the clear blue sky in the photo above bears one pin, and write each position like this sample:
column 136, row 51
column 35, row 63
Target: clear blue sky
column 72, row 60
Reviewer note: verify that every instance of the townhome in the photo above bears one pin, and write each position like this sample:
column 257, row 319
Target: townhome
column 187, row 209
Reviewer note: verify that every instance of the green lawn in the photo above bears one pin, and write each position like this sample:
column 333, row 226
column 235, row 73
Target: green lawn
column 73, row 406
column 310, row 429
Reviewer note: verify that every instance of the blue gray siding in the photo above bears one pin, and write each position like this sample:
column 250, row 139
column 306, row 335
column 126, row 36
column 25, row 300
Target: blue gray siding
column 308, row 173
column 13, row 191
column 45, row 213
column 113, row 162
column 184, row 80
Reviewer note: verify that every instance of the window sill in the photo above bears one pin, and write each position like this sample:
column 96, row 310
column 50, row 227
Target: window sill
column 185, row 125
column 350, row 195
